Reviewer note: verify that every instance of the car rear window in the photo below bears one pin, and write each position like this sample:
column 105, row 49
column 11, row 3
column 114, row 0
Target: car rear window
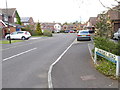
column 84, row 32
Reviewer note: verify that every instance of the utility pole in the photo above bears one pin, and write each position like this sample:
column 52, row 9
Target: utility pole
column 8, row 22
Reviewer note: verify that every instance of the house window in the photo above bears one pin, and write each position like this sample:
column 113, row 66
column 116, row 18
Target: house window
column 15, row 20
column 5, row 18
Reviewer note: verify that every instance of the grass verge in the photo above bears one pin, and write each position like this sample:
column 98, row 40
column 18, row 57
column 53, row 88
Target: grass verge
column 12, row 41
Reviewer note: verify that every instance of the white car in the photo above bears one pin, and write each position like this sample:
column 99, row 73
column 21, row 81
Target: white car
column 117, row 35
column 18, row 35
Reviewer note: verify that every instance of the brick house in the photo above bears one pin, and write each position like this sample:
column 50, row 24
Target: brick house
column 27, row 21
column 8, row 17
column 51, row 26
column 91, row 22
column 74, row 27
column 115, row 17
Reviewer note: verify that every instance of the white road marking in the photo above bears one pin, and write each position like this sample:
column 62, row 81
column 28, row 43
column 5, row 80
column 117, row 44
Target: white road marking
column 50, row 85
column 21, row 45
column 19, row 54
column 90, row 51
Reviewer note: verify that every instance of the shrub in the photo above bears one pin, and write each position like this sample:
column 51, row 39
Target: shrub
column 104, row 66
column 62, row 31
column 47, row 33
column 107, row 45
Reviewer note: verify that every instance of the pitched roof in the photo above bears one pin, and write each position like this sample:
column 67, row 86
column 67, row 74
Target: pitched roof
column 25, row 19
column 9, row 11
column 92, row 20
column 114, row 14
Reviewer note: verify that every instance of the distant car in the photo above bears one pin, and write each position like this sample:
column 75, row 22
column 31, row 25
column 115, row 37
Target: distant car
column 66, row 31
column 83, row 35
column 18, row 35
column 117, row 35
column 72, row 31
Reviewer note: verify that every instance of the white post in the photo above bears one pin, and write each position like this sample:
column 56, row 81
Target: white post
column 117, row 66
column 95, row 56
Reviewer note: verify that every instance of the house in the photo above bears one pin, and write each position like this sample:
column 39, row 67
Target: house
column 8, row 15
column 56, row 27
column 91, row 22
column 7, row 20
column 75, row 27
column 27, row 21
column 114, row 15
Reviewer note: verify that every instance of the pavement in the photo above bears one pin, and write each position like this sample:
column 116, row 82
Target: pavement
column 76, row 70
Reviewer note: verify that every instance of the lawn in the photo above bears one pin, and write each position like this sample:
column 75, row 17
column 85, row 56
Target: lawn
column 12, row 41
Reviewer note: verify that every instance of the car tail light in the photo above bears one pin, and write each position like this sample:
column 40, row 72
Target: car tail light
column 78, row 35
column 88, row 35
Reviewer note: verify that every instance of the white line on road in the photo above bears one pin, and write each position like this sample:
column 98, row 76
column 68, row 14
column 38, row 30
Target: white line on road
column 50, row 85
column 19, row 54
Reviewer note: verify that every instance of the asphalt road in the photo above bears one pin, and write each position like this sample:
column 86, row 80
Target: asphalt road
column 26, row 64
column 76, row 70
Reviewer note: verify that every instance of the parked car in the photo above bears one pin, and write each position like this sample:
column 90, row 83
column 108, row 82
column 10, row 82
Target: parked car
column 83, row 35
column 18, row 35
column 72, row 31
column 117, row 35
column 66, row 31
column 91, row 31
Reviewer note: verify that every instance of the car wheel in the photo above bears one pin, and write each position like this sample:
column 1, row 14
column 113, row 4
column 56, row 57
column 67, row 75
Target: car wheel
column 23, row 38
column 8, row 38
column 118, row 37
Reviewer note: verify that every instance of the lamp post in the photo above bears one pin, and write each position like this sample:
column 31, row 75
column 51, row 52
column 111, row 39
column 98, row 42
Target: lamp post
column 8, row 22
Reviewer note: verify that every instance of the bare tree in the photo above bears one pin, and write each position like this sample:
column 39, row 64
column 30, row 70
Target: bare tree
column 118, row 9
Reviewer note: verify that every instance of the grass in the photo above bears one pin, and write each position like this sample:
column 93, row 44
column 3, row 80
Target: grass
column 12, row 41
column 107, row 68
column 39, row 36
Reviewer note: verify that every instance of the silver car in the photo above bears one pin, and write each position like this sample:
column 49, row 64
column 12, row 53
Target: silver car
column 83, row 35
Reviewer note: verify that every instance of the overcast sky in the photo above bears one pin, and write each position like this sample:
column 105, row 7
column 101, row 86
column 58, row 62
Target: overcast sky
column 57, row 10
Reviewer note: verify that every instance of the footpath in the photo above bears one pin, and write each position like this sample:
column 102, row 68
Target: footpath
column 76, row 70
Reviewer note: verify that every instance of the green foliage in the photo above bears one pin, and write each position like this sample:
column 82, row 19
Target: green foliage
column 47, row 33
column 104, row 66
column 18, row 20
column 62, row 31
column 29, row 28
column 104, row 26
column 107, row 68
column 38, row 29
column 107, row 45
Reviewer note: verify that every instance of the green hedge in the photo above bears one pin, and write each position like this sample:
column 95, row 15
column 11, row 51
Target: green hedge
column 104, row 66
column 107, row 45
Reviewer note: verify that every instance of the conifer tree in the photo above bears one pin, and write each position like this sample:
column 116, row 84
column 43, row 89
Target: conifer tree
column 38, row 29
column 18, row 20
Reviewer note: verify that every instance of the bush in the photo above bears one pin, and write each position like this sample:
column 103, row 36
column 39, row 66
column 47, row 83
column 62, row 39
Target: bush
column 107, row 45
column 104, row 66
column 47, row 33
column 62, row 31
